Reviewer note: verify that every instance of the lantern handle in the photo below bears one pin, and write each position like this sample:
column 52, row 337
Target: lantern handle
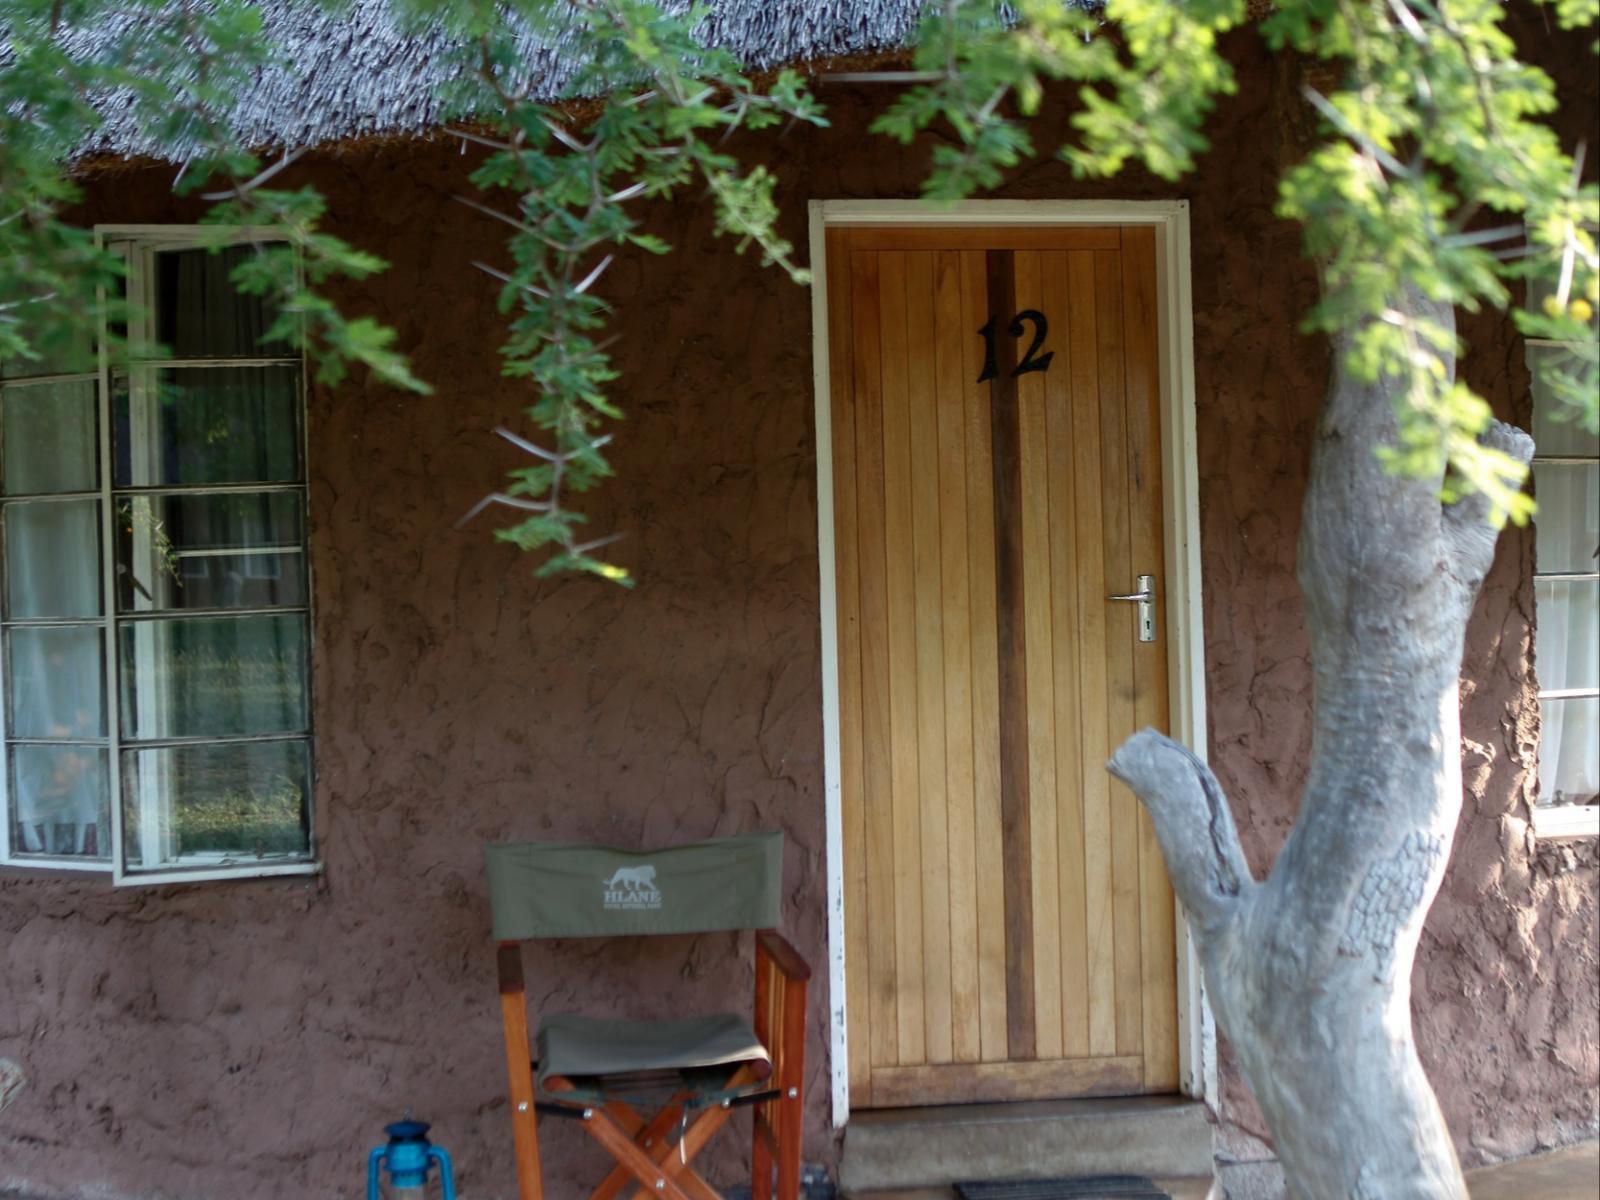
column 447, row 1172
column 374, row 1161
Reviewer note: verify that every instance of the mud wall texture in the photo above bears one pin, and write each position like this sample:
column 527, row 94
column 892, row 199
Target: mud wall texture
column 248, row 1040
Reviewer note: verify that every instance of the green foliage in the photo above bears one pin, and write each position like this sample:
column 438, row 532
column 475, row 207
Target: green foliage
column 1434, row 176
column 178, row 70
column 1433, row 131
column 570, row 188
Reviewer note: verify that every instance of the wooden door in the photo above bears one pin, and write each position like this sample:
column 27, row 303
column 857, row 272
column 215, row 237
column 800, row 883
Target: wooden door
column 1009, row 924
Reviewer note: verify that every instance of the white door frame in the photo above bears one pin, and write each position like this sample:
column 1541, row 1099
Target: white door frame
column 1197, row 1052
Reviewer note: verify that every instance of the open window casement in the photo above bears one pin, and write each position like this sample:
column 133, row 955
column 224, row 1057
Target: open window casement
column 156, row 620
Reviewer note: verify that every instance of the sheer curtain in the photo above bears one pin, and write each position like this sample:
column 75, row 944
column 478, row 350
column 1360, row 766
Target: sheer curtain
column 56, row 690
column 1568, row 615
column 54, row 687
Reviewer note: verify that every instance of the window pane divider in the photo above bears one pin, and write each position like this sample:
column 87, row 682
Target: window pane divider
column 236, row 551
column 224, row 739
column 1565, row 576
column 34, row 497
column 178, row 614
column 48, row 380
column 161, row 364
column 1569, row 693
column 98, row 742
column 51, row 622
column 201, row 489
column 1565, row 460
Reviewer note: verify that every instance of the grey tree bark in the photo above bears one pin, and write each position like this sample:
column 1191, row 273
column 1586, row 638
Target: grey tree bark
column 1309, row 971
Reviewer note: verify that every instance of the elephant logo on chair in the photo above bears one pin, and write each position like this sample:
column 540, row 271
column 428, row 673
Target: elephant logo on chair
column 632, row 888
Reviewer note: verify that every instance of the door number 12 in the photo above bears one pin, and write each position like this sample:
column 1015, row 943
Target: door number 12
column 1032, row 360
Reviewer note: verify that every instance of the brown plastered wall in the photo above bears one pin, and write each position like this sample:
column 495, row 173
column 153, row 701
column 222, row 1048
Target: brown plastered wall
column 241, row 1041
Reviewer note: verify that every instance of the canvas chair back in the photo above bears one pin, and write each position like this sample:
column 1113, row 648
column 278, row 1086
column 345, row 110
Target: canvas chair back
column 541, row 890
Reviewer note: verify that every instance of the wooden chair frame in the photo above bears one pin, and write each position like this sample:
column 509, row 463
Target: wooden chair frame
column 646, row 1158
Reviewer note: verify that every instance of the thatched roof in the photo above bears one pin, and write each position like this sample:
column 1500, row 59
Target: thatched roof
column 354, row 75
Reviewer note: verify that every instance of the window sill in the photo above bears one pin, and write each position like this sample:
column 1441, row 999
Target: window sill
column 1570, row 820
column 59, row 869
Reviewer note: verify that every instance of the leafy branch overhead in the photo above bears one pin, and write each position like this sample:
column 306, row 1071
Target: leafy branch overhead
column 572, row 197
column 1433, row 170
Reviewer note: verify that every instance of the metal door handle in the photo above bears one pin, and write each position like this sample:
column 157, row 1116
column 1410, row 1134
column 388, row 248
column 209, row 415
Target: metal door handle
column 1145, row 599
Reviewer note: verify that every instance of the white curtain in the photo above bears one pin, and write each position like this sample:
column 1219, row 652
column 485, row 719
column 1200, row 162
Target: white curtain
column 56, row 689
column 1568, row 637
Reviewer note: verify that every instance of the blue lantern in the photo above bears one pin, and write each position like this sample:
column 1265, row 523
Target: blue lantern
column 409, row 1157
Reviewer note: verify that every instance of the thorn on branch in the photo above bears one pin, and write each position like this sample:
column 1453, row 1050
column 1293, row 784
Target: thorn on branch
column 523, row 443
column 593, row 275
column 502, row 498
column 467, row 135
column 240, row 189
column 520, row 226
column 504, row 278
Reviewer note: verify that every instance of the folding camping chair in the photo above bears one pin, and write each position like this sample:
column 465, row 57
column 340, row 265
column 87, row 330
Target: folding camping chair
column 696, row 1071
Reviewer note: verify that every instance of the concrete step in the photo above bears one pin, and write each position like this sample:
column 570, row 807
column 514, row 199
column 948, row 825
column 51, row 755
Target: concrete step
column 890, row 1154
column 1178, row 1189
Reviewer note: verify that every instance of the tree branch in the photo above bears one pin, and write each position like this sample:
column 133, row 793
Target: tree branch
column 1468, row 533
column 1192, row 822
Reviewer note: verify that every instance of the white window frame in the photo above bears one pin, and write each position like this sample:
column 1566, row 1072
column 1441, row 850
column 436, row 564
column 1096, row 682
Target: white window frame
column 1567, row 820
column 142, row 242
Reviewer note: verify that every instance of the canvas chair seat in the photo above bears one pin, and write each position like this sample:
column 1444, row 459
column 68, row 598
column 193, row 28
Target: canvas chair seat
column 593, row 1059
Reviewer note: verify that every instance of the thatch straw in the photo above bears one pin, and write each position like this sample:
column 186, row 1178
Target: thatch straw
column 354, row 75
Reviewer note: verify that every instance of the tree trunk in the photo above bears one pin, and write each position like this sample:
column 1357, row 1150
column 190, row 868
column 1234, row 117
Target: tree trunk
column 1309, row 972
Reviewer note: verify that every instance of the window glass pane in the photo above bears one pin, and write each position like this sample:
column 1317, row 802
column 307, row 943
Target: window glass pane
column 219, row 550
column 204, row 425
column 1569, row 750
column 49, row 431
column 56, row 686
column 1551, row 433
column 1568, row 647
column 52, row 558
column 196, row 805
column 68, row 353
column 1568, row 520
column 214, row 676
column 199, row 312
column 61, row 801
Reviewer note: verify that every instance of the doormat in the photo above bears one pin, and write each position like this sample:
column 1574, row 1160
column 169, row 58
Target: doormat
column 1082, row 1187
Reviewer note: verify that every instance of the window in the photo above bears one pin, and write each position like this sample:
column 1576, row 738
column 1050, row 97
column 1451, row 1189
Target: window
column 154, row 598
column 1566, row 477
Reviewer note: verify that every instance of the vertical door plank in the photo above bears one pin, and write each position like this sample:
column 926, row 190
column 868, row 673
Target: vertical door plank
column 1121, row 639
column 988, row 845
column 1073, row 979
column 1045, row 892
column 877, row 778
column 841, row 392
column 950, row 334
column 1015, row 817
column 921, row 361
column 1093, row 781
column 1157, row 915
column 902, row 639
